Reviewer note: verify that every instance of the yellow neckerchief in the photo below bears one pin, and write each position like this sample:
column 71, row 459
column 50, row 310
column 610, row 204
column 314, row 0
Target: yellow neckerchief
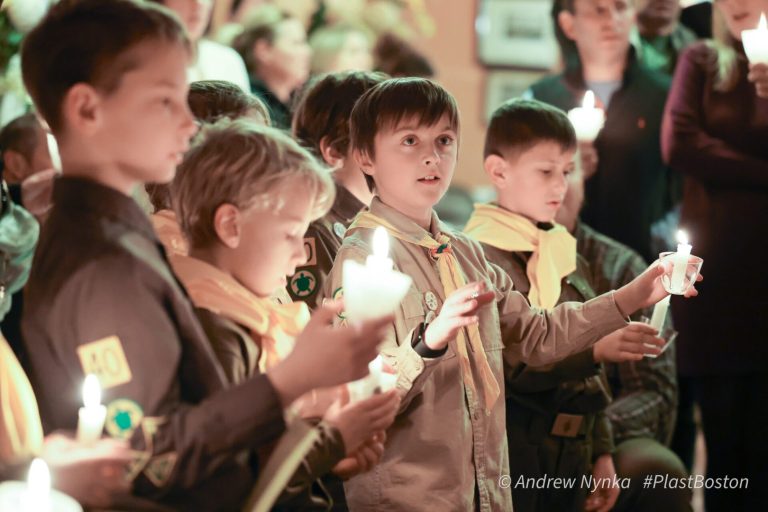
column 21, row 434
column 554, row 251
column 452, row 277
column 277, row 325
column 169, row 232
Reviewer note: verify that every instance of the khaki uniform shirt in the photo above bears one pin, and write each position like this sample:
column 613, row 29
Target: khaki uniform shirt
column 575, row 385
column 102, row 299
column 322, row 242
column 443, row 452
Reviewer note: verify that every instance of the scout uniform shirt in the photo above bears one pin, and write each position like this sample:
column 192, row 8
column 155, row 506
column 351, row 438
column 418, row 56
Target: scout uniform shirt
column 444, row 450
column 322, row 242
column 555, row 408
column 645, row 391
column 101, row 299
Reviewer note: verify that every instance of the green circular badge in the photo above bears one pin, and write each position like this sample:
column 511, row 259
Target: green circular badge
column 338, row 293
column 303, row 283
column 123, row 416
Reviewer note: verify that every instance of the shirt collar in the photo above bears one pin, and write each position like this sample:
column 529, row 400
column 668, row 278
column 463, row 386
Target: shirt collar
column 346, row 205
column 405, row 224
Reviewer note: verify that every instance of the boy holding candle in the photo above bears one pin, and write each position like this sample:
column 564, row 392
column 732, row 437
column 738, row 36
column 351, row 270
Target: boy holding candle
column 101, row 297
column 447, row 448
column 231, row 197
column 321, row 124
column 556, row 424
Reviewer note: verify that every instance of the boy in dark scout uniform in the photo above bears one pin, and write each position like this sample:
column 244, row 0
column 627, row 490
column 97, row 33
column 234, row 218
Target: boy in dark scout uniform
column 321, row 124
column 556, row 424
column 447, row 447
column 101, row 297
column 246, row 193
column 642, row 413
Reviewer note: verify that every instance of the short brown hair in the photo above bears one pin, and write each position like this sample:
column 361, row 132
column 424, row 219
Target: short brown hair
column 86, row 41
column 244, row 164
column 518, row 125
column 21, row 135
column 212, row 100
column 324, row 108
column 393, row 100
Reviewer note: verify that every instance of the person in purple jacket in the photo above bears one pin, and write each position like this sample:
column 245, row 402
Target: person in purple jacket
column 715, row 132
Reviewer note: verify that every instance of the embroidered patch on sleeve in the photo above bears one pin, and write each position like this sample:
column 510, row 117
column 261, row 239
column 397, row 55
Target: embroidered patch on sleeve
column 309, row 248
column 105, row 359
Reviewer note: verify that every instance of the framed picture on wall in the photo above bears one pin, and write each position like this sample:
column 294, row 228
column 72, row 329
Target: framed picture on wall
column 503, row 85
column 516, row 33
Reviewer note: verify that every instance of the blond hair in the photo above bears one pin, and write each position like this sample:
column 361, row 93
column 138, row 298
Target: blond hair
column 327, row 43
column 246, row 165
column 724, row 56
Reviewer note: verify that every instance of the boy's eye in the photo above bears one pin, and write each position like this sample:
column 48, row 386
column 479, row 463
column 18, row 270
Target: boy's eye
column 409, row 141
column 446, row 140
column 545, row 171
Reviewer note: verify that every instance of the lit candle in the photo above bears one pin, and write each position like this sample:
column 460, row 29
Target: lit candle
column 93, row 414
column 377, row 379
column 756, row 42
column 35, row 495
column 53, row 151
column 373, row 290
column 587, row 120
column 680, row 263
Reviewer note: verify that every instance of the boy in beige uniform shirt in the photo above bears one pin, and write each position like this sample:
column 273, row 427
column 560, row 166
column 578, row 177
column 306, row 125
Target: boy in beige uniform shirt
column 447, row 448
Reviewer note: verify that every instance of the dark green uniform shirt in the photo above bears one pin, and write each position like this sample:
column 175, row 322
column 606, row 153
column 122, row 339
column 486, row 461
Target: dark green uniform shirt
column 322, row 242
column 102, row 299
column 645, row 391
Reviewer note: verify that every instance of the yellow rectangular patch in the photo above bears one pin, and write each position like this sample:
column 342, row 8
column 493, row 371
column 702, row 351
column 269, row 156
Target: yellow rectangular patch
column 309, row 248
column 105, row 359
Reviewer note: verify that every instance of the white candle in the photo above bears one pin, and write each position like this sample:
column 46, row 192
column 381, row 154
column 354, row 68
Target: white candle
column 756, row 42
column 660, row 314
column 373, row 290
column 377, row 379
column 680, row 263
column 92, row 415
column 53, row 151
column 35, row 495
column 587, row 120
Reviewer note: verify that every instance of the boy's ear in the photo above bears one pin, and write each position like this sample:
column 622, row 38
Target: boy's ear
column 15, row 166
column 565, row 20
column 332, row 157
column 80, row 108
column 363, row 161
column 496, row 168
column 226, row 223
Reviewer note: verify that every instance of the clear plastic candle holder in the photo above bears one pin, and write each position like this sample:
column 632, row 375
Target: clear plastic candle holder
column 688, row 277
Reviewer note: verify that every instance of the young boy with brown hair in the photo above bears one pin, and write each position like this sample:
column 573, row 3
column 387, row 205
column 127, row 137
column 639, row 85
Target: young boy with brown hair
column 232, row 198
column 101, row 297
column 447, row 448
column 529, row 152
column 209, row 101
column 321, row 124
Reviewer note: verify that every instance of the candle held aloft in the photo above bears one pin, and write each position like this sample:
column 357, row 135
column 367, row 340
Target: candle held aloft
column 373, row 290
column 756, row 42
column 91, row 417
column 680, row 263
column 587, row 120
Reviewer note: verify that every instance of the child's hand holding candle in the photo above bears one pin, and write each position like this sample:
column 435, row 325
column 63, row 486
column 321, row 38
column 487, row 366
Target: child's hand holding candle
column 373, row 290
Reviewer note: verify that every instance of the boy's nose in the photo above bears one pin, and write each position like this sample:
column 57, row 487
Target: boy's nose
column 432, row 158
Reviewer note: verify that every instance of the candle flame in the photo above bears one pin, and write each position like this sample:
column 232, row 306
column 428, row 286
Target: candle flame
column 39, row 478
column 589, row 100
column 380, row 243
column 682, row 237
column 91, row 391
column 762, row 25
